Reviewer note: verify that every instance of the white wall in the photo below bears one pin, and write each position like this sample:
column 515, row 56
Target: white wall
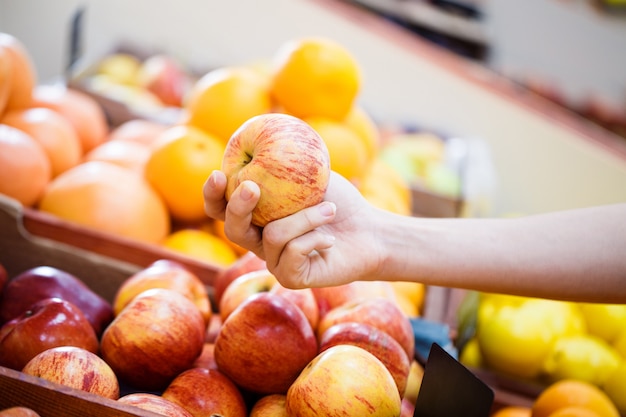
column 541, row 165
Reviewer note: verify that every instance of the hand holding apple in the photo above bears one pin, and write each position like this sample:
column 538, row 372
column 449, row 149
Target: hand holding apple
column 285, row 157
column 49, row 323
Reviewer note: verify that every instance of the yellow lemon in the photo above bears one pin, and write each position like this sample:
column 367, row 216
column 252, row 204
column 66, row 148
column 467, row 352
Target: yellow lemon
column 604, row 320
column 470, row 355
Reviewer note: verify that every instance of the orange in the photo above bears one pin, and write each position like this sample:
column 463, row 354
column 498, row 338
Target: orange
column 571, row 392
column 25, row 166
column 348, row 155
column 574, row 412
column 53, row 131
column 361, row 122
column 315, row 77
column 108, row 198
column 223, row 99
column 125, row 153
column 182, row 159
column 512, row 411
column 5, row 78
column 83, row 112
column 217, row 228
column 385, row 188
column 202, row 246
column 22, row 72
column 137, row 130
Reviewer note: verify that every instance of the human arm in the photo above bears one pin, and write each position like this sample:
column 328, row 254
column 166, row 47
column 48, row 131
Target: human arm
column 575, row 255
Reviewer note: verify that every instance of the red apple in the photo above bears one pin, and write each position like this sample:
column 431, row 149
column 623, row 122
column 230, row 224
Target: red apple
column 42, row 282
column 304, row 299
column 165, row 273
column 344, row 380
column 247, row 262
column 272, row 405
column 49, row 323
column 159, row 334
column 76, row 368
column 4, row 277
column 374, row 340
column 207, row 357
column 163, row 76
column 206, row 392
column 155, row 403
column 265, row 343
column 243, row 287
column 285, row 156
column 380, row 313
column 19, row 412
column 331, row 297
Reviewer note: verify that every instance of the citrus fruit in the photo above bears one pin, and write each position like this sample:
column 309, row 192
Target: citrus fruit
column 584, row 357
column 564, row 318
column 108, row 198
column 571, row 392
column 315, row 77
column 217, row 227
column 83, row 112
column 348, row 154
column 53, row 132
column 125, row 153
column 574, row 411
column 137, row 130
column 26, row 168
column 515, row 341
column 604, row 320
column 620, row 343
column 224, row 98
column 22, row 73
column 383, row 187
column 470, row 355
column 512, row 411
column 5, row 78
column 615, row 387
column 362, row 123
column 201, row 245
column 181, row 160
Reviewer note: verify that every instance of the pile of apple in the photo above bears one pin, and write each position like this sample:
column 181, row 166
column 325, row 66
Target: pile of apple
column 246, row 346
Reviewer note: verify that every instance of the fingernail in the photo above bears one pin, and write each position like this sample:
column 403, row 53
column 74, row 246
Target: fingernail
column 328, row 209
column 212, row 180
column 245, row 193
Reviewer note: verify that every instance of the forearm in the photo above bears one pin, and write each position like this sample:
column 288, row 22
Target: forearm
column 574, row 255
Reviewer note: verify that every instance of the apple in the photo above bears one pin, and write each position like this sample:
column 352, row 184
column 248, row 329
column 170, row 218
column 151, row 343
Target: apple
column 304, row 298
column 164, row 273
column 76, row 368
column 272, row 405
column 163, row 76
column 159, row 334
column 42, row 282
column 213, row 328
column 407, row 408
column 376, row 341
column 207, row 357
column 244, row 286
column 49, row 323
column 247, row 262
column 19, row 411
column 380, row 313
column 155, row 403
column 265, row 343
column 331, row 297
column 206, row 392
column 344, row 380
column 414, row 381
column 4, row 277
column 285, row 156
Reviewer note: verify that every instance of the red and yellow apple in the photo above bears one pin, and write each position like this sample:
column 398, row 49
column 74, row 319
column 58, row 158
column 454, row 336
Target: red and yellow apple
column 272, row 405
column 155, row 403
column 304, row 298
column 41, row 282
column 286, row 158
column 265, row 343
column 164, row 273
column 207, row 357
column 247, row 262
column 374, row 340
column 243, row 287
column 331, row 297
column 206, row 392
column 159, row 334
column 19, row 411
column 414, row 381
column 344, row 380
column 76, row 368
column 381, row 313
column 49, row 323
column 164, row 77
